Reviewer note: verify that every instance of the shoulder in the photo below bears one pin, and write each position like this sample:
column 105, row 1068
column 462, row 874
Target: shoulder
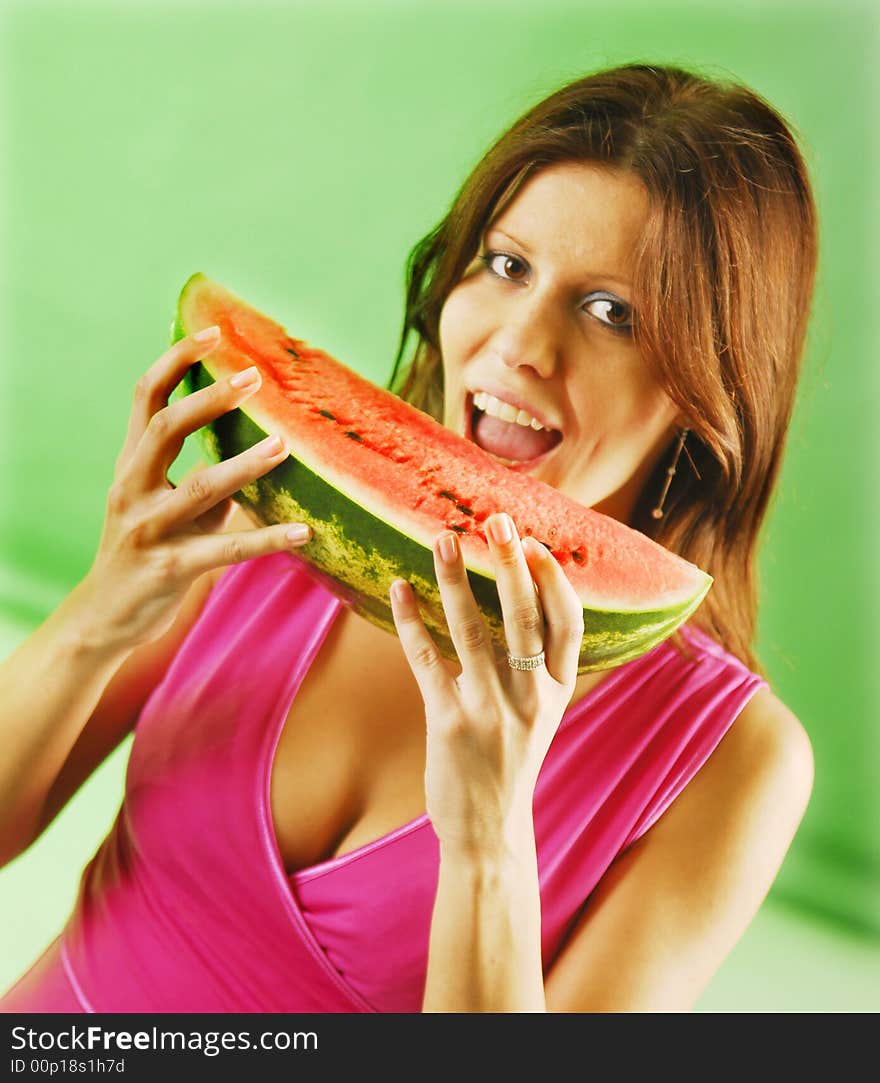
column 750, row 795
column 767, row 748
column 671, row 907
column 734, row 822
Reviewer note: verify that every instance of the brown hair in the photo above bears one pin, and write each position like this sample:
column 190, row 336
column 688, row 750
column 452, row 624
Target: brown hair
column 723, row 283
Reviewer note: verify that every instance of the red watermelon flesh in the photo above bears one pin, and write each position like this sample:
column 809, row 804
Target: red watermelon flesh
column 411, row 473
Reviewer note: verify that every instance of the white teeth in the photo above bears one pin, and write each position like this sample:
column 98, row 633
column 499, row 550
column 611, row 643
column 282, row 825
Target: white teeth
column 503, row 410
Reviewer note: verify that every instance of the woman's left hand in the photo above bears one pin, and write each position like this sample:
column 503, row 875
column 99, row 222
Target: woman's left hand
column 489, row 728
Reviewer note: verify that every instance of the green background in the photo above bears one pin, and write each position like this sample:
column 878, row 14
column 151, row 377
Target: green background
column 295, row 153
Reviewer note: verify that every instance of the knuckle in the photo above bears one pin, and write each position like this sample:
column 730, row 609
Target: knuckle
column 508, row 558
column 529, row 704
column 573, row 631
column 472, row 633
column 165, row 565
column 160, row 424
column 412, row 621
column 527, row 617
column 233, row 550
column 198, row 489
column 453, row 727
column 118, row 501
column 137, row 533
column 426, row 657
column 143, row 389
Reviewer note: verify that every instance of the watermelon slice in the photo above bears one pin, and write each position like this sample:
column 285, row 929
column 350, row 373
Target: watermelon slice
column 377, row 480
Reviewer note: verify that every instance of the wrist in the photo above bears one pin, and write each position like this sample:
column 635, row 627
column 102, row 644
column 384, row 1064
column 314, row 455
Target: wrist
column 491, row 853
column 84, row 628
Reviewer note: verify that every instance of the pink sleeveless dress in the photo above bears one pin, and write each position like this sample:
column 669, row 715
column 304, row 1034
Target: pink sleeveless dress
column 186, row 905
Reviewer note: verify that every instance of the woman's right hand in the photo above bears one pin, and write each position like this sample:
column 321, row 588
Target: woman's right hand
column 157, row 539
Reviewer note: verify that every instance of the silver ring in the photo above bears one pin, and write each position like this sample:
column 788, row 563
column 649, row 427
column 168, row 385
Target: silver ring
column 534, row 661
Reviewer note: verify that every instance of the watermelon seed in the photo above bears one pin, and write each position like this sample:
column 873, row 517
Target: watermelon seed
column 290, row 349
column 354, row 435
column 463, row 508
column 326, row 413
column 577, row 556
column 459, row 529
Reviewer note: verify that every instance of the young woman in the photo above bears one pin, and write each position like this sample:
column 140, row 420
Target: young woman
column 320, row 816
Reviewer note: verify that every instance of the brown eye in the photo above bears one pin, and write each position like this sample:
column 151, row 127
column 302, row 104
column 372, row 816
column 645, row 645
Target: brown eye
column 495, row 260
column 617, row 315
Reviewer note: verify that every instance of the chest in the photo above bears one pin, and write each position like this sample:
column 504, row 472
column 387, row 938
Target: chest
column 349, row 766
column 350, row 762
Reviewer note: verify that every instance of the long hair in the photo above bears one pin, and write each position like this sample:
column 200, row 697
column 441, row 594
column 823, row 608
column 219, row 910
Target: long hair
column 723, row 284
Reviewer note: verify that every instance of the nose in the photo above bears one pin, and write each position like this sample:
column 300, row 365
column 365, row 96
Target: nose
column 527, row 339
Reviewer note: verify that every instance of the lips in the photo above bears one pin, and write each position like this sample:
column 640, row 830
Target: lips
column 507, row 395
column 500, row 434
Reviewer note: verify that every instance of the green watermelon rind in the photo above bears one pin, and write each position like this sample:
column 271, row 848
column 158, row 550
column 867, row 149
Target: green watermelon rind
column 559, row 522
column 357, row 555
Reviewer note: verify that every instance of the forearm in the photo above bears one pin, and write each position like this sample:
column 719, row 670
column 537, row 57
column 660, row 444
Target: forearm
column 49, row 687
column 485, row 942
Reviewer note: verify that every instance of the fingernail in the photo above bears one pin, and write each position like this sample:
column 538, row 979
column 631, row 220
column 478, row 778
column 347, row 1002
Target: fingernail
column 271, row 446
column 242, row 379
column 207, row 334
column 449, row 548
column 300, row 533
column 533, row 546
column 501, row 528
column 399, row 589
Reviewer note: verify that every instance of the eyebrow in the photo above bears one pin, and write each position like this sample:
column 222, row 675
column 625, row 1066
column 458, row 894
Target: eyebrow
column 610, row 278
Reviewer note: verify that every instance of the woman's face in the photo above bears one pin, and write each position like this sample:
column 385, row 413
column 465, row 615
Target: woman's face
column 542, row 325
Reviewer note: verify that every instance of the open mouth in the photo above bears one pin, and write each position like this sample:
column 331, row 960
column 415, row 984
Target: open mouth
column 519, row 447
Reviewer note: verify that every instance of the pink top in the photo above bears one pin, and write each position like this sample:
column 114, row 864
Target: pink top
column 186, row 905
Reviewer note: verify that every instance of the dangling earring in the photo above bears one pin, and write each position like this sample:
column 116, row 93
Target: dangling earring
column 657, row 513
